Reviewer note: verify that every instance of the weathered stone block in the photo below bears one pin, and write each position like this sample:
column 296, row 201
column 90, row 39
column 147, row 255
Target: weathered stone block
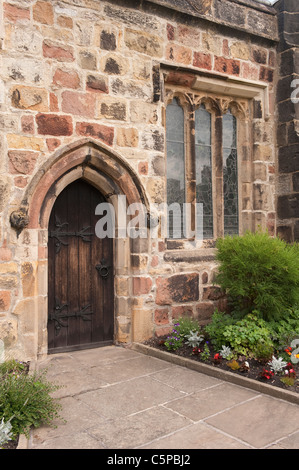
column 97, row 83
column 107, row 41
column 79, row 104
column 142, row 285
column 212, row 293
column 43, row 13
column 127, row 137
column 66, row 78
column 27, row 124
column 5, row 299
column 153, row 141
column 177, row 288
column 15, row 13
column 34, row 98
column 88, row 60
column 28, row 279
column 141, row 112
column 143, row 42
column 179, row 54
column 181, row 311
column 229, row 66
column 15, row 141
column 52, row 124
column 259, row 55
column 130, row 89
column 112, row 108
column 240, row 50
column 288, row 206
column 261, row 196
column 296, row 182
column 161, row 316
column 96, row 131
column 288, row 158
column 22, row 161
column 202, row 60
column 8, row 332
column 266, row 74
column 57, row 51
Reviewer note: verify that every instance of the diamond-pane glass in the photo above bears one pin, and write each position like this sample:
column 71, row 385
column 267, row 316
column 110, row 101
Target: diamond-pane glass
column 175, row 168
column 203, row 155
column 230, row 175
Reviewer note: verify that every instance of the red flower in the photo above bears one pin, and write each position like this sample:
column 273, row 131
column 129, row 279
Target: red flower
column 267, row 374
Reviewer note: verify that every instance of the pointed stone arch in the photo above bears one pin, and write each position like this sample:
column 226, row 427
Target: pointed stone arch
column 112, row 176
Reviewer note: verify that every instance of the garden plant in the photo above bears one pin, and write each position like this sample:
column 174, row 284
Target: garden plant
column 260, row 276
column 25, row 400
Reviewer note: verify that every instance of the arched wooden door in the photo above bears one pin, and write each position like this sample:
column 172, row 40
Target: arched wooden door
column 80, row 276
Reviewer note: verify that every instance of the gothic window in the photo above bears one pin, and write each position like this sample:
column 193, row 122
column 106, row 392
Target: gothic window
column 202, row 167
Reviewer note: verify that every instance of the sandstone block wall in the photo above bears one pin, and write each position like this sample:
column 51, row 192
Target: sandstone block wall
column 92, row 70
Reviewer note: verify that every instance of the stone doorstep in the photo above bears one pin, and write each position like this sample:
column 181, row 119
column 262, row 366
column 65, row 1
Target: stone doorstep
column 204, row 369
column 227, row 376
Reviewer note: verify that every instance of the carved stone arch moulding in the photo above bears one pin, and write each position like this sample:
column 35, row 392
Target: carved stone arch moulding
column 86, row 154
column 237, row 107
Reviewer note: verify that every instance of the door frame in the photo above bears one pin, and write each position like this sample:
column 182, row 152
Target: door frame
column 112, row 176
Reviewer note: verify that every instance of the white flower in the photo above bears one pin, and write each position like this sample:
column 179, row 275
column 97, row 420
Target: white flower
column 194, row 339
column 226, row 352
column 277, row 365
column 5, row 432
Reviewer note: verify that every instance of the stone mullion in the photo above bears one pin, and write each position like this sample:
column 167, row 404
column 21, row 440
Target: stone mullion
column 191, row 164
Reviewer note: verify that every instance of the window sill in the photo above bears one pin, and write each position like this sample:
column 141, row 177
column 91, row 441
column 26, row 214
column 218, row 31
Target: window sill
column 192, row 256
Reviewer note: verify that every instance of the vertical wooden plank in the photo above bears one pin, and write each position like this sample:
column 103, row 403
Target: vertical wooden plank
column 72, row 266
column 85, row 265
column 58, row 256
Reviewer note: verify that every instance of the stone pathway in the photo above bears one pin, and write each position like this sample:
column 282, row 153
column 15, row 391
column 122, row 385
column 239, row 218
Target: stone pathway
column 117, row 398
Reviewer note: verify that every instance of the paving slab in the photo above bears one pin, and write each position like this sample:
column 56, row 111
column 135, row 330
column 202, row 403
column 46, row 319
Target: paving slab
column 118, row 398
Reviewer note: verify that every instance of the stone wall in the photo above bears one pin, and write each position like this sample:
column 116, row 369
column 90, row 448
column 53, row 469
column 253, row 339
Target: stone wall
column 288, row 120
column 92, row 71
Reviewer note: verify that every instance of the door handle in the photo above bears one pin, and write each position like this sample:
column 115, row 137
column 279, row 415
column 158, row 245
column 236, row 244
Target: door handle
column 103, row 269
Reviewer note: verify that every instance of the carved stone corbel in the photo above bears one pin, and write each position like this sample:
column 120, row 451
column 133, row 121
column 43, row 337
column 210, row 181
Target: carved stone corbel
column 19, row 219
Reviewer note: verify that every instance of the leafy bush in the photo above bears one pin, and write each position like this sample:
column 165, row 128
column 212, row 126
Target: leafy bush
column 184, row 328
column 242, row 336
column 258, row 272
column 286, row 329
column 216, row 328
column 25, row 400
column 185, row 324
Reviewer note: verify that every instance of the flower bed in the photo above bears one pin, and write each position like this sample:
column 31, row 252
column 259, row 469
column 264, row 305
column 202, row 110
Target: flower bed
column 280, row 369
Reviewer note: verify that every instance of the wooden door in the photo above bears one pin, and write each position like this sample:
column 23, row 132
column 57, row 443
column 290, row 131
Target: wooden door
column 80, row 277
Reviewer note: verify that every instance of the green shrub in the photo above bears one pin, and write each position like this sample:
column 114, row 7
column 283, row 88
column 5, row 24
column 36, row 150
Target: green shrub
column 186, row 324
column 242, row 336
column 181, row 331
column 285, row 330
column 215, row 329
column 258, row 272
column 25, row 400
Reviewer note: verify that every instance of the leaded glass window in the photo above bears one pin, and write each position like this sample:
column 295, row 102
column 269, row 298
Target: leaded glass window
column 175, row 168
column 202, row 168
column 230, row 175
column 203, row 156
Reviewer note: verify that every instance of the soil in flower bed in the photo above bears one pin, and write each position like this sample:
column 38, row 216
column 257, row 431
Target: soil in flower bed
column 255, row 370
